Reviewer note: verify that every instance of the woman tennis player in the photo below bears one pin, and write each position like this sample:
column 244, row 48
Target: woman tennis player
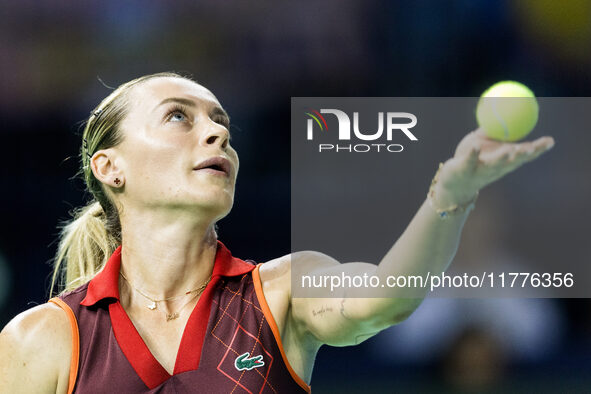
column 154, row 302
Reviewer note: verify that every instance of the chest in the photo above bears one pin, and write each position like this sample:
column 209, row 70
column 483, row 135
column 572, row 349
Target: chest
column 226, row 342
column 161, row 336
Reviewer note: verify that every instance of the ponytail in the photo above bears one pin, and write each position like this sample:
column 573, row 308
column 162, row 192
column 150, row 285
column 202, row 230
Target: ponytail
column 85, row 245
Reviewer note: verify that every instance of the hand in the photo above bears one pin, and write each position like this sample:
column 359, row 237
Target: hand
column 479, row 161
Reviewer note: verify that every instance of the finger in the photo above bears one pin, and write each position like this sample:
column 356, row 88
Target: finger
column 480, row 132
column 531, row 150
column 542, row 143
column 546, row 142
column 472, row 159
column 499, row 154
column 537, row 153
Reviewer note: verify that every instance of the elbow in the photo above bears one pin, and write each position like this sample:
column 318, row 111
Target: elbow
column 378, row 314
column 395, row 315
column 401, row 316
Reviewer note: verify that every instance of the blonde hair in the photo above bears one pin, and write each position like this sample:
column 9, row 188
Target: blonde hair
column 94, row 232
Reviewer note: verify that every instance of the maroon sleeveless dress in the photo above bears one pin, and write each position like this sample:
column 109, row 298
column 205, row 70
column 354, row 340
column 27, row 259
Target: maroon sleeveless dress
column 230, row 344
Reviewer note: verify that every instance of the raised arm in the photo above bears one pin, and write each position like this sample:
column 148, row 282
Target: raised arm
column 35, row 351
column 428, row 244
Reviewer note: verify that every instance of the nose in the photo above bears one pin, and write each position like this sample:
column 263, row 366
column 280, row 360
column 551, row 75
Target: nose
column 216, row 135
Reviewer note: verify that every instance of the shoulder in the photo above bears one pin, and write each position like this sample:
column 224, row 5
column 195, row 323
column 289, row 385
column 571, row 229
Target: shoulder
column 276, row 274
column 36, row 345
column 280, row 268
column 45, row 324
column 275, row 277
column 275, row 270
column 275, row 284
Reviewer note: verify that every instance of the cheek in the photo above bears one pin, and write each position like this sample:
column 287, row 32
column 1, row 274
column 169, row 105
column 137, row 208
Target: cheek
column 156, row 163
column 234, row 155
column 151, row 167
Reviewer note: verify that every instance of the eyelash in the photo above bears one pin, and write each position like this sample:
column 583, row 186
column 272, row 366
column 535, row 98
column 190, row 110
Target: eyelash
column 182, row 110
column 222, row 120
column 176, row 109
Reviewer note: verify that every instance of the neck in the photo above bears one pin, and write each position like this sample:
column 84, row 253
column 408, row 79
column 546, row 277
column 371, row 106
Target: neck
column 164, row 256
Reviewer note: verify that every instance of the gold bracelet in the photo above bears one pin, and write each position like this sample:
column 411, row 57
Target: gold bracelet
column 452, row 209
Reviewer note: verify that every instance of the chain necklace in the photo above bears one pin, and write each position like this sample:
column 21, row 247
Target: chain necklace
column 154, row 303
column 174, row 315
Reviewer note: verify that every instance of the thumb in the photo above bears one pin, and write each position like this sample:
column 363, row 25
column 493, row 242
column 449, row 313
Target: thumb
column 471, row 160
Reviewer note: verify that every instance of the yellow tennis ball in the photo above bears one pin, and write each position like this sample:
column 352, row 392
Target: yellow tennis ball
column 507, row 111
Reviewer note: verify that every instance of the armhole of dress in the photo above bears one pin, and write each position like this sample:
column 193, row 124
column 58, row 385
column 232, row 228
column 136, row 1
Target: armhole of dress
column 75, row 342
column 258, row 288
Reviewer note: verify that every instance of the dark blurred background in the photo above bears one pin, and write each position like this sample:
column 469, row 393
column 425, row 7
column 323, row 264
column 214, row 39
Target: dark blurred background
column 255, row 56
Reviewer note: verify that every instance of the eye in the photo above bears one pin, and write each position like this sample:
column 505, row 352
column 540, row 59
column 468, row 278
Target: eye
column 177, row 117
column 177, row 114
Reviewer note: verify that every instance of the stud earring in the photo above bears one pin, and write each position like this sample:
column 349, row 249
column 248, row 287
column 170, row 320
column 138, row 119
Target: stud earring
column 117, row 181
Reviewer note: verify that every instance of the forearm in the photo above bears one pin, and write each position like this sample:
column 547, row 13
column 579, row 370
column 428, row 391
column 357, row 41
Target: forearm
column 428, row 244
column 427, row 247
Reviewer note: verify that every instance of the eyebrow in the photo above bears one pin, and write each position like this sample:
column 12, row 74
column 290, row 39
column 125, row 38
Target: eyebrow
column 217, row 110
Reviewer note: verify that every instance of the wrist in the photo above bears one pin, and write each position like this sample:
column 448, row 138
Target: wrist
column 447, row 201
column 445, row 197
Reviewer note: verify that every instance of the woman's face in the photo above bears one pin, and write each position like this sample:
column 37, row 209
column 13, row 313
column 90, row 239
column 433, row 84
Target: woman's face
column 173, row 126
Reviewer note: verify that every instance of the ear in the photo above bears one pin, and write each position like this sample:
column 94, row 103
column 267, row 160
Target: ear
column 104, row 166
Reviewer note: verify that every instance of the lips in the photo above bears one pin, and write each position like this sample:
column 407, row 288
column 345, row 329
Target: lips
column 217, row 163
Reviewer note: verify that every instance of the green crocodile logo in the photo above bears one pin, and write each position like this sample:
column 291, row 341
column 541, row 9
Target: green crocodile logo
column 244, row 362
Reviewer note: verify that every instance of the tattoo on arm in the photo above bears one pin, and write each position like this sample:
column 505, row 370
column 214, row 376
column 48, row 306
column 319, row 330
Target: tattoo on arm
column 322, row 311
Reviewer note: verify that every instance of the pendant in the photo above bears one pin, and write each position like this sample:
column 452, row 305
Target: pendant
column 171, row 316
column 152, row 306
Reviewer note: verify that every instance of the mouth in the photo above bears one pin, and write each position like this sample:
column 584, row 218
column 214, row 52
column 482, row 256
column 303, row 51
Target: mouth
column 217, row 165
